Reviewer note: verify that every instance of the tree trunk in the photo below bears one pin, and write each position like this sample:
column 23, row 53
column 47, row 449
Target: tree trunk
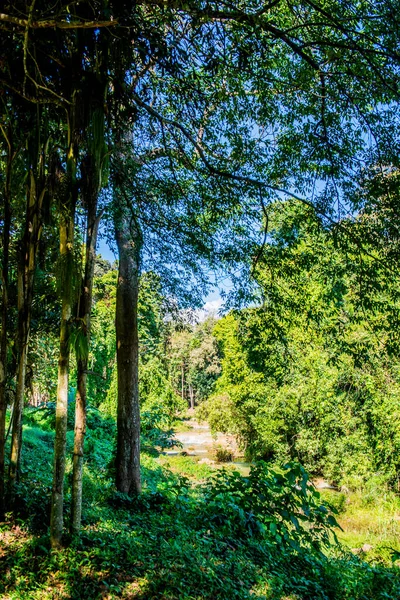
column 22, row 343
column 84, row 310
column 4, row 323
column 26, row 273
column 191, row 396
column 67, row 226
column 183, row 381
column 129, row 243
column 56, row 522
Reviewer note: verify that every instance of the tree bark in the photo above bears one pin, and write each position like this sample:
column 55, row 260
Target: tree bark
column 4, row 323
column 26, row 274
column 67, row 226
column 129, row 244
column 84, row 310
column 57, row 502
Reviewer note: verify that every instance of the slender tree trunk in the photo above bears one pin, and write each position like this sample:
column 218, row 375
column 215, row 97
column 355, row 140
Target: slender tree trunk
column 26, row 273
column 183, row 381
column 191, row 396
column 4, row 322
column 22, row 344
column 128, row 414
column 85, row 306
column 67, row 226
column 56, row 524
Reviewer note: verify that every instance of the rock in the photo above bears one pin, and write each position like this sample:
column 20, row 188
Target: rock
column 365, row 548
column 321, row 484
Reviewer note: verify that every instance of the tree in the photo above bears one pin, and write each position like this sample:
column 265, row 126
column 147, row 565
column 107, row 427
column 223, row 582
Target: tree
column 316, row 92
column 36, row 195
column 128, row 477
column 179, row 349
column 310, row 373
column 82, row 343
column 6, row 193
column 193, row 361
column 204, row 362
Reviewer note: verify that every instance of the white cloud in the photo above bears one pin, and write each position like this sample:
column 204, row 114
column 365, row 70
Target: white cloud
column 213, row 305
column 210, row 308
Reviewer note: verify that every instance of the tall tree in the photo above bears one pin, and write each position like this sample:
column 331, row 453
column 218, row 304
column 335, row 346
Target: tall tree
column 67, row 229
column 91, row 167
column 35, row 195
column 6, row 194
column 129, row 241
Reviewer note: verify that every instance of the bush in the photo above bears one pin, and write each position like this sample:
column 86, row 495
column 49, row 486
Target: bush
column 223, row 454
column 283, row 503
column 335, row 500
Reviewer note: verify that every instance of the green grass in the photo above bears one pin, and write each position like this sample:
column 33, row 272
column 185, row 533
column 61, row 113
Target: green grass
column 372, row 522
column 181, row 425
column 186, row 465
column 179, row 540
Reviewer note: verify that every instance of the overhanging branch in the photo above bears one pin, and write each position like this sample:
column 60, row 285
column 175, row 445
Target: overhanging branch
column 53, row 24
column 203, row 156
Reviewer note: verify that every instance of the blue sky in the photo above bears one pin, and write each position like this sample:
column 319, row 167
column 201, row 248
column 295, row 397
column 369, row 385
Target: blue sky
column 212, row 302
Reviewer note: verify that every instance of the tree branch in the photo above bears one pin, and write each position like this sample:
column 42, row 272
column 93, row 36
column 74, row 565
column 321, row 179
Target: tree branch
column 48, row 24
column 202, row 154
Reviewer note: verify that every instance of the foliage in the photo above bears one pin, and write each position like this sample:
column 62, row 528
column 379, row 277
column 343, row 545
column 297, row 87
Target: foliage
column 102, row 351
column 213, row 112
column 193, row 360
column 156, row 427
column 180, row 540
column 310, row 374
column 223, row 454
column 283, row 503
column 155, row 389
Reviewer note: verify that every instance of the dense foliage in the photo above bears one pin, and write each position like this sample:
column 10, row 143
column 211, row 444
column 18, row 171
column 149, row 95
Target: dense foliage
column 184, row 131
column 311, row 374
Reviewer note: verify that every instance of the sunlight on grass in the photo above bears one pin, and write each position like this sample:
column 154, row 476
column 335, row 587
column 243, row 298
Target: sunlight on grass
column 370, row 523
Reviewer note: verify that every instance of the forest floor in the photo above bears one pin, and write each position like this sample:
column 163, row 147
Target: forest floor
column 185, row 538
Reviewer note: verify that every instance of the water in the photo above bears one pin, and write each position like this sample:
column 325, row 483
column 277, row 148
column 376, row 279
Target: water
column 199, row 442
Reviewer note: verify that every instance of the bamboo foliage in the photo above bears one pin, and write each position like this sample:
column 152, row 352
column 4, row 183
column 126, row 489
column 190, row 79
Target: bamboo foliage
column 35, row 196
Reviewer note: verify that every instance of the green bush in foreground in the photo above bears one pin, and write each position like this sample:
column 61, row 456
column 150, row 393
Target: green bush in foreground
column 282, row 506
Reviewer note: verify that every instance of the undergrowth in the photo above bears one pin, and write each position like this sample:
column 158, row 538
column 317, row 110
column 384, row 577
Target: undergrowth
column 222, row 536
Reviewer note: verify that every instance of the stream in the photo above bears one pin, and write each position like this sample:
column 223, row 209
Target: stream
column 199, row 442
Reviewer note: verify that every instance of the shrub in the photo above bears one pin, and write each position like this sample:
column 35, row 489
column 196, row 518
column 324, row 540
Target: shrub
column 223, row 454
column 283, row 503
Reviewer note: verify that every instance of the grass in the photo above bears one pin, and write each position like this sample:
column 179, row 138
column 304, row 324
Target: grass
column 372, row 522
column 187, row 466
column 181, row 424
column 180, row 540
